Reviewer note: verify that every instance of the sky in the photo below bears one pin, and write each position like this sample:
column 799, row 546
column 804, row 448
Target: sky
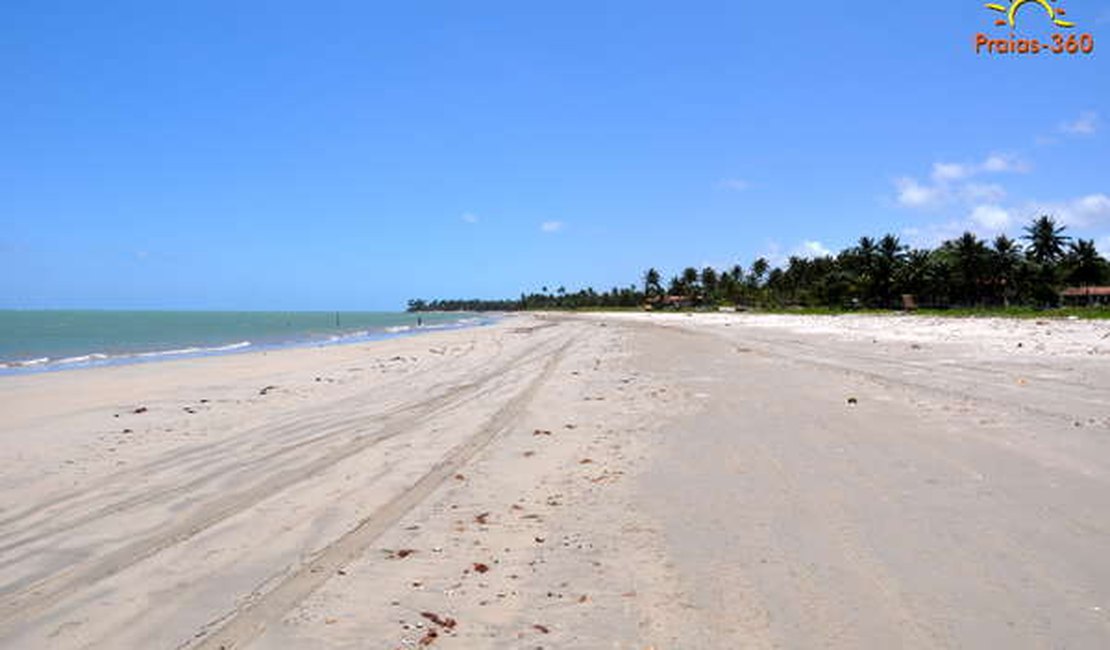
column 352, row 155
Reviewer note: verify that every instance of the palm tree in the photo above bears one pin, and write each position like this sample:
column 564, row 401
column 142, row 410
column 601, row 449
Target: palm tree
column 652, row 288
column 968, row 256
column 1046, row 250
column 1046, row 240
column 862, row 260
column 690, row 281
column 1086, row 266
column 709, row 283
column 759, row 269
column 866, row 249
column 1005, row 261
column 889, row 256
column 676, row 287
column 912, row 275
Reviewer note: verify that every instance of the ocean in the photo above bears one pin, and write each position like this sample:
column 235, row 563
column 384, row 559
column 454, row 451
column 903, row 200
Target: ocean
column 33, row 340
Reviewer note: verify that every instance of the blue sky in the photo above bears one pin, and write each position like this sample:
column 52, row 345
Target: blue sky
column 350, row 155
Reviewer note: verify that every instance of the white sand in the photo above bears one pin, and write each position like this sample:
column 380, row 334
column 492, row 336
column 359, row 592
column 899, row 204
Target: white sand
column 616, row 480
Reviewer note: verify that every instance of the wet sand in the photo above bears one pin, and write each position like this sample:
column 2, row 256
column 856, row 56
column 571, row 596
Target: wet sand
column 617, row 480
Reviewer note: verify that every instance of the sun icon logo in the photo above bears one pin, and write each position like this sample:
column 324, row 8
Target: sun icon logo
column 1054, row 13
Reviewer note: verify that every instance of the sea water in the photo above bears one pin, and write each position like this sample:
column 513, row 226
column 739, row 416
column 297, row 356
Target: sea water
column 33, row 340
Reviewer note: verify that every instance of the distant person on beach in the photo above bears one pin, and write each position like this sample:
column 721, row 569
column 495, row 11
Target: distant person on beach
column 419, row 322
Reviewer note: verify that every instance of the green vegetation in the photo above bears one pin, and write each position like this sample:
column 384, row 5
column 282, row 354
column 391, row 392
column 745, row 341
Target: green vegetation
column 965, row 276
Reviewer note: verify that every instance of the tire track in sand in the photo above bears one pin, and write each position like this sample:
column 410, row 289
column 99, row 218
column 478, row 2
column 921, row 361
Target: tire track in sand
column 27, row 600
column 251, row 618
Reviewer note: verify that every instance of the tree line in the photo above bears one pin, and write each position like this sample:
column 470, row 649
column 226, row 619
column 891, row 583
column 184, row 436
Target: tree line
column 875, row 273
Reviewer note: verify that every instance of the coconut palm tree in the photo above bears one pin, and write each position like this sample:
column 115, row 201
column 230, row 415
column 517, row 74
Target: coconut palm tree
column 889, row 256
column 732, row 284
column 968, row 257
column 759, row 269
column 912, row 275
column 1005, row 261
column 676, row 287
column 709, row 283
column 1085, row 266
column 690, row 282
column 1046, row 248
column 1046, row 240
column 652, row 288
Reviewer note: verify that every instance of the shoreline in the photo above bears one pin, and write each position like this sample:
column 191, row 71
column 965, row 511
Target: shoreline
column 102, row 360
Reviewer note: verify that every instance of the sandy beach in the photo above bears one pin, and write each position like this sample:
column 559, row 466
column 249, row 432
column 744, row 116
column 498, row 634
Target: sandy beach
column 573, row 481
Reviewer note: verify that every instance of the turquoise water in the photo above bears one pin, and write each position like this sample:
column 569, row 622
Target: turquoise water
column 56, row 339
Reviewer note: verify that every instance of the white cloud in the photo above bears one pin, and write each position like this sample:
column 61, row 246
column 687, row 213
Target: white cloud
column 735, row 184
column 991, row 217
column 944, row 172
column 470, row 217
column 812, row 249
column 1081, row 212
column 982, row 193
column 552, row 226
column 988, row 218
column 773, row 252
column 946, row 178
column 1004, row 163
column 931, row 235
column 913, row 194
column 1103, row 246
column 1093, row 206
column 1086, row 124
column 996, row 163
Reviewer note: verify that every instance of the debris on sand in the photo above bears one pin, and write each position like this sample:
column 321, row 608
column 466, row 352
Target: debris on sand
column 586, row 461
column 482, row 519
column 607, row 476
column 446, row 622
column 480, row 568
column 543, row 629
column 400, row 554
column 429, row 637
column 852, row 401
column 141, row 409
column 541, row 432
column 267, row 389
